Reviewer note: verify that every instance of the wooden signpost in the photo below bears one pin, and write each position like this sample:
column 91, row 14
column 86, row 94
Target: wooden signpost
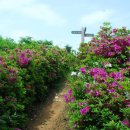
column 83, row 34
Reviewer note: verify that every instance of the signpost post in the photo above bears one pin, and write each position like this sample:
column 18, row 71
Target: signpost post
column 83, row 34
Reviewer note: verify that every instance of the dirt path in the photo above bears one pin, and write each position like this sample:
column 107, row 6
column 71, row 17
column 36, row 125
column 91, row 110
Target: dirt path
column 52, row 114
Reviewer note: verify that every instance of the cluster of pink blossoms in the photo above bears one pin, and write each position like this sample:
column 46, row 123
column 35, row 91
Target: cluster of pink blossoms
column 11, row 72
column 127, row 102
column 83, row 70
column 69, row 97
column 115, row 46
column 99, row 74
column 126, row 122
column 116, row 75
column 24, row 58
column 84, row 110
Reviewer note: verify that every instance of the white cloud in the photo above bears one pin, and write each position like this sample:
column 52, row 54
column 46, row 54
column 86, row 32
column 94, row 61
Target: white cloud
column 44, row 13
column 7, row 5
column 33, row 9
column 96, row 17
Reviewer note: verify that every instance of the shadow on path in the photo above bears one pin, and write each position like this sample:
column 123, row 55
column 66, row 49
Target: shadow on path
column 51, row 114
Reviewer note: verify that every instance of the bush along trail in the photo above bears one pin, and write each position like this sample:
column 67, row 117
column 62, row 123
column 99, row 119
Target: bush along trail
column 99, row 98
column 28, row 72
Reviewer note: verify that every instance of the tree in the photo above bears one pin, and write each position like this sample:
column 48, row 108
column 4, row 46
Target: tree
column 26, row 40
column 68, row 48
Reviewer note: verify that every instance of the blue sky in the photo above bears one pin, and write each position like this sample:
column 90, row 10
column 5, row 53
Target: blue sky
column 55, row 19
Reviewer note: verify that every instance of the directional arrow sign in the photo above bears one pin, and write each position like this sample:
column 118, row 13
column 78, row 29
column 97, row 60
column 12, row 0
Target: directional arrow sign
column 76, row 32
column 89, row 35
column 83, row 35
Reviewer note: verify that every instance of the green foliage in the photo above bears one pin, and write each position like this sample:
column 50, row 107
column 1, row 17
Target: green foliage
column 7, row 43
column 99, row 98
column 28, row 70
column 68, row 48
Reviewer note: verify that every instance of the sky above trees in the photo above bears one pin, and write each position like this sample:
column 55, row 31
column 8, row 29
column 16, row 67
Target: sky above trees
column 54, row 20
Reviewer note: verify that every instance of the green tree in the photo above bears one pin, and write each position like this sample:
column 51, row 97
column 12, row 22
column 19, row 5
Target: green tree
column 68, row 48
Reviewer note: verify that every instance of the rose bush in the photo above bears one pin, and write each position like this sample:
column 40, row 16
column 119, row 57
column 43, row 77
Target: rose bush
column 100, row 94
column 27, row 71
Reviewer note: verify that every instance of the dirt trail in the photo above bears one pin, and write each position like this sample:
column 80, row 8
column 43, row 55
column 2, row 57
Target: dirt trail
column 52, row 114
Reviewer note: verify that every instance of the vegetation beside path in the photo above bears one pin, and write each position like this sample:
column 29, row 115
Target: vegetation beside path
column 99, row 98
column 28, row 71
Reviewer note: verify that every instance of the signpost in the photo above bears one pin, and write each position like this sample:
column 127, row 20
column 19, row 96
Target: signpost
column 89, row 35
column 76, row 32
column 83, row 34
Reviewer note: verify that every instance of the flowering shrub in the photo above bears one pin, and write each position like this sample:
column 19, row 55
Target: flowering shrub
column 24, row 58
column 84, row 110
column 117, row 47
column 98, row 73
column 101, row 94
column 69, row 97
column 27, row 71
column 83, row 70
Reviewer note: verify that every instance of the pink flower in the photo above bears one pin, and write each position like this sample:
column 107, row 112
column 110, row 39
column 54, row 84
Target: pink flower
column 111, row 90
column 28, row 51
column 120, row 87
column 84, row 110
column 110, row 54
column 69, row 97
column 29, row 59
column 119, row 61
column 117, row 48
column 88, row 85
column 22, row 55
column 23, row 59
column 80, row 104
column 87, row 90
column 126, row 122
column 99, row 74
column 13, row 71
column 116, row 75
column 113, row 46
column 83, row 70
column 128, row 105
column 127, row 102
column 116, row 95
column 91, row 92
column 66, row 98
column 70, row 92
column 114, row 84
column 97, row 93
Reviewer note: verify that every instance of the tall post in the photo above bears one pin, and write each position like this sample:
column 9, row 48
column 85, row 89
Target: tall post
column 82, row 35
